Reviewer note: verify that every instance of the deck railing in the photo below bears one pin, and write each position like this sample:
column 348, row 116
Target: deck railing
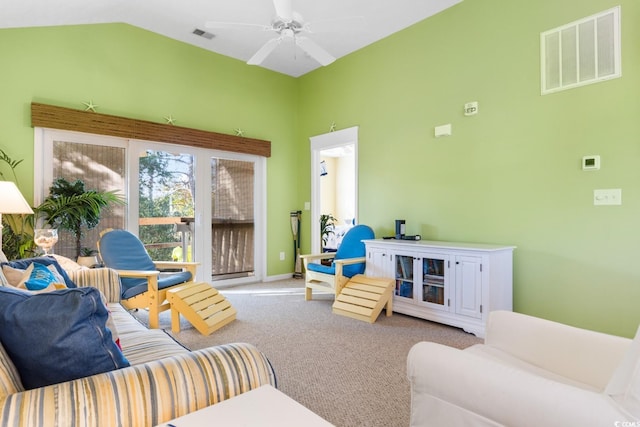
column 231, row 244
column 231, row 249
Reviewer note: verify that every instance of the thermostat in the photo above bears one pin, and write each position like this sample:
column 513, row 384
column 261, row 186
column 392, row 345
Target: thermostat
column 590, row 163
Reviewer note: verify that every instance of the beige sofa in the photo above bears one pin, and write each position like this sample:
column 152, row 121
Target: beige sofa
column 164, row 381
column 529, row 372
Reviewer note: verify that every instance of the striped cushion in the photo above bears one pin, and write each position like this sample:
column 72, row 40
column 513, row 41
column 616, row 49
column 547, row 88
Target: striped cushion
column 139, row 344
column 105, row 279
column 147, row 346
column 143, row 395
column 9, row 379
column 125, row 322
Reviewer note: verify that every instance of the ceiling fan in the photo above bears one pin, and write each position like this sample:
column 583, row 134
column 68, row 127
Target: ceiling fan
column 287, row 24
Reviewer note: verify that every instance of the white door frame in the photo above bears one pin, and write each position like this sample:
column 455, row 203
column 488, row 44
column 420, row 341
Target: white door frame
column 340, row 138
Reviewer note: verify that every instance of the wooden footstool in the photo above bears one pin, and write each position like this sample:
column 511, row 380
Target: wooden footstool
column 202, row 305
column 364, row 297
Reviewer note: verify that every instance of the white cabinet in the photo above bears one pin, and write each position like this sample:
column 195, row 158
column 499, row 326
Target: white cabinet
column 453, row 283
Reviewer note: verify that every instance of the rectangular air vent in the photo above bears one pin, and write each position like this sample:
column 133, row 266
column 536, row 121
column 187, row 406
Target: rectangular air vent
column 582, row 52
column 202, row 33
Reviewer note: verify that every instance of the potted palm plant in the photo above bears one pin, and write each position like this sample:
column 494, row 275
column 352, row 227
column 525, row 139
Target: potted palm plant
column 71, row 207
column 327, row 223
column 88, row 257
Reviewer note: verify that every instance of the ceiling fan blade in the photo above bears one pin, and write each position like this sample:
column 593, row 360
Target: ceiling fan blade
column 264, row 51
column 315, row 51
column 284, row 9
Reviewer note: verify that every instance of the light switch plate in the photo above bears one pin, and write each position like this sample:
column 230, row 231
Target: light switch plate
column 612, row 196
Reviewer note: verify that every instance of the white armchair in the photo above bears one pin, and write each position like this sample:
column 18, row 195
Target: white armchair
column 529, row 372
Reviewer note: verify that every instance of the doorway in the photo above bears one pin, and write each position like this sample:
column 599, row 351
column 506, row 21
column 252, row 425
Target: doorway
column 334, row 184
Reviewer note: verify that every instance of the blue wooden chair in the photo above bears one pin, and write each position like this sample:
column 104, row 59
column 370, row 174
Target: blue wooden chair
column 143, row 285
column 348, row 261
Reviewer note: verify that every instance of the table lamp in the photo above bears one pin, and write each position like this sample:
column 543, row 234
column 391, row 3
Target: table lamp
column 11, row 202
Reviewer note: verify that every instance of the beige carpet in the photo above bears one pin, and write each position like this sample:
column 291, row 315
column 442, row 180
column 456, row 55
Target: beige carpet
column 349, row 372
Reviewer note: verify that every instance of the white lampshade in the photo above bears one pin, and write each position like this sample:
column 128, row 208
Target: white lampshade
column 11, row 200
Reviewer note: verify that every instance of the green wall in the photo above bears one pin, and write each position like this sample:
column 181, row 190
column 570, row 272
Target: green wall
column 511, row 174
column 134, row 73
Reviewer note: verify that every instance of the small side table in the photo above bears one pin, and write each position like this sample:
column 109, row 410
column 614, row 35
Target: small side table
column 264, row 406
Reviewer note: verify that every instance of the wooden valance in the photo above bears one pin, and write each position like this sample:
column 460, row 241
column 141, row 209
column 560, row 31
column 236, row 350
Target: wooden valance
column 50, row 116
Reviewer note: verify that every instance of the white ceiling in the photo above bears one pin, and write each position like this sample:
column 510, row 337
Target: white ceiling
column 178, row 19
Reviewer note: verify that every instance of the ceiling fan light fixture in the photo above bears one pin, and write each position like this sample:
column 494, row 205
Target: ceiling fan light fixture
column 287, row 32
column 295, row 25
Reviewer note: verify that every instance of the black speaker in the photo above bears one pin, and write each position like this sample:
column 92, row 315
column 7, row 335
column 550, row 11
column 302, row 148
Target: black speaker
column 400, row 228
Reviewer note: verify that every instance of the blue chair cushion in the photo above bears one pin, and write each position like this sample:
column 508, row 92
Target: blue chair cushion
column 57, row 336
column 122, row 250
column 133, row 287
column 321, row 268
column 351, row 247
column 23, row 264
column 134, row 257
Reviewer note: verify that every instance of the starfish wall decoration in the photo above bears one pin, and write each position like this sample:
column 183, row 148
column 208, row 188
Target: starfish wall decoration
column 333, row 127
column 239, row 132
column 90, row 106
column 170, row 120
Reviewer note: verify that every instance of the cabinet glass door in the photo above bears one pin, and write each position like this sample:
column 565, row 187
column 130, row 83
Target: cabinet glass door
column 404, row 276
column 433, row 281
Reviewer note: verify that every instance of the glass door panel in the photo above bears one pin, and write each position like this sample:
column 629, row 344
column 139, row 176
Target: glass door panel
column 232, row 218
column 166, row 204
column 404, row 276
column 433, row 281
column 101, row 168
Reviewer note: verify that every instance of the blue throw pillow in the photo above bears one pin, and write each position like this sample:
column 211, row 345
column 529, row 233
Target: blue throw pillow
column 40, row 278
column 23, row 264
column 57, row 336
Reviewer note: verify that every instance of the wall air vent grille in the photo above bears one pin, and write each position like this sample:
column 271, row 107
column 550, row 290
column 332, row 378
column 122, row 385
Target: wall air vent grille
column 582, row 52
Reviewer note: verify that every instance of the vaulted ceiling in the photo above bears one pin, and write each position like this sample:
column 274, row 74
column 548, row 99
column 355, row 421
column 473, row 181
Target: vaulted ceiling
column 238, row 28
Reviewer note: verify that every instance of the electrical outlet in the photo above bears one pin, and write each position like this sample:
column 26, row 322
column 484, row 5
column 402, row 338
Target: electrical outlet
column 281, row 256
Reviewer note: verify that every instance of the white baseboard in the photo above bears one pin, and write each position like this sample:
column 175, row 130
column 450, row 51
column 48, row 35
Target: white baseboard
column 278, row 277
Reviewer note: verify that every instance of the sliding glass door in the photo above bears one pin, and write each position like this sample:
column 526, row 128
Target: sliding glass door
column 185, row 203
